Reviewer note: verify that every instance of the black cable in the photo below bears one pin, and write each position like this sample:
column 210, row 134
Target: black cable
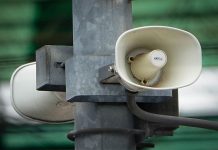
column 165, row 119
column 73, row 134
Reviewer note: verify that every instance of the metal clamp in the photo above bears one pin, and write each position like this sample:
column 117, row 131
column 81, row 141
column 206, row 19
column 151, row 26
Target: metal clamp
column 107, row 75
column 74, row 134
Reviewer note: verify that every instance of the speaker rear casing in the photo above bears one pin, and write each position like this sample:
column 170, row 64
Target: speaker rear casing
column 40, row 106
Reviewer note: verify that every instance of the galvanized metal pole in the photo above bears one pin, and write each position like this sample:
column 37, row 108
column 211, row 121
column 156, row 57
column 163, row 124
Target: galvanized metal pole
column 96, row 26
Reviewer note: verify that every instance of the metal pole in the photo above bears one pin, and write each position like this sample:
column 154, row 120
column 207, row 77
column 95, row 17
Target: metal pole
column 96, row 26
column 93, row 115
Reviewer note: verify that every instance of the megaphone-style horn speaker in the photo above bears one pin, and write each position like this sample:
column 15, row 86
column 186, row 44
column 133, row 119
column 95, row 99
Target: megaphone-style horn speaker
column 157, row 58
column 42, row 106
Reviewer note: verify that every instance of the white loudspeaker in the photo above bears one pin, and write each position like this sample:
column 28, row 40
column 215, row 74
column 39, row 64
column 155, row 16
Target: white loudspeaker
column 157, row 58
column 42, row 106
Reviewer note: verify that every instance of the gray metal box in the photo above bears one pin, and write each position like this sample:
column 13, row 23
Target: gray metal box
column 50, row 76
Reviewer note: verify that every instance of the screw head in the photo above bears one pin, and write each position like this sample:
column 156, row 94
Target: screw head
column 111, row 69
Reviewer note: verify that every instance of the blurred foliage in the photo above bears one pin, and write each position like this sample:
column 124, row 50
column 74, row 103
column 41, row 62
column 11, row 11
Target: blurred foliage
column 26, row 25
column 37, row 137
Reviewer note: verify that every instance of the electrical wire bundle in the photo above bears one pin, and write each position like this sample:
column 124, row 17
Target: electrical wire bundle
column 165, row 119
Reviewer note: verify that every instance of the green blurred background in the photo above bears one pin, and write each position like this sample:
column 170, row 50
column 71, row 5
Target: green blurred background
column 26, row 25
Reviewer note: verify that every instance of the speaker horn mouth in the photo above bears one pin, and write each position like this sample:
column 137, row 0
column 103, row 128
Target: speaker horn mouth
column 183, row 52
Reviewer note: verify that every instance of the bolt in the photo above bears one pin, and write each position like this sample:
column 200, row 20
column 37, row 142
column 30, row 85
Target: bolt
column 111, row 69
